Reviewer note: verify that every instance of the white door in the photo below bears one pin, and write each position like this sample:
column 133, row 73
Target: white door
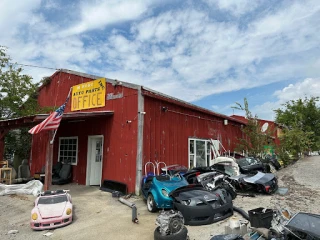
column 94, row 168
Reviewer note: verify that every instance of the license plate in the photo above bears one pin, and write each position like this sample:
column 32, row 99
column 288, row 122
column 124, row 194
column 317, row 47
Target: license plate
column 51, row 224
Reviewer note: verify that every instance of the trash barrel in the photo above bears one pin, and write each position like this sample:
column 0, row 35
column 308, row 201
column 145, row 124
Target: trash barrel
column 260, row 217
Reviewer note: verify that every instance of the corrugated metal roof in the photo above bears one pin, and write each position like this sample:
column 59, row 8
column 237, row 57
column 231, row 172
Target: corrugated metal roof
column 155, row 93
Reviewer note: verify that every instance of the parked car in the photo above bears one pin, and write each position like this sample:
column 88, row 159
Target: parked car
column 260, row 182
column 52, row 209
column 251, row 165
column 156, row 190
column 200, row 206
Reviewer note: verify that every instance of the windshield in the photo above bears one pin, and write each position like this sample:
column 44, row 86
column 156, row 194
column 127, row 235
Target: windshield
column 53, row 200
column 243, row 162
column 226, row 167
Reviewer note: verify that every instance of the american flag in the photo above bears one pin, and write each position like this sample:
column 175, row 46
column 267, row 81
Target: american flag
column 52, row 122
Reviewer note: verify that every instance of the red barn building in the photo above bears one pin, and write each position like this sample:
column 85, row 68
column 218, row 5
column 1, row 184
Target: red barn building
column 266, row 126
column 135, row 125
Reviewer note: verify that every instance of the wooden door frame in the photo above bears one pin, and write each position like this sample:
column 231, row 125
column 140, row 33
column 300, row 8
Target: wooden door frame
column 90, row 137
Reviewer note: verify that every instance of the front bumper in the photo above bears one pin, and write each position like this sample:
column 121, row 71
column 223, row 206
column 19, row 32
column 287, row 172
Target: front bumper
column 50, row 223
column 204, row 214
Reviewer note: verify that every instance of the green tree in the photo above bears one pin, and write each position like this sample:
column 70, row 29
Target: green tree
column 18, row 97
column 300, row 120
column 17, row 91
column 253, row 140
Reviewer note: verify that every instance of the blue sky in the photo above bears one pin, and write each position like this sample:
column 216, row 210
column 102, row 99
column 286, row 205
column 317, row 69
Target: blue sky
column 212, row 53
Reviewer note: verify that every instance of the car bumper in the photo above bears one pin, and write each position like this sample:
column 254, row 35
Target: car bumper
column 50, row 223
column 204, row 214
column 273, row 186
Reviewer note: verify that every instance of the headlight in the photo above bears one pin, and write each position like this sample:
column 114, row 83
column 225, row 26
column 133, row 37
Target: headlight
column 69, row 211
column 165, row 193
column 186, row 202
column 34, row 216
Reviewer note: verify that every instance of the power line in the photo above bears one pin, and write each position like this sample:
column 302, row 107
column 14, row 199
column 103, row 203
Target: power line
column 28, row 65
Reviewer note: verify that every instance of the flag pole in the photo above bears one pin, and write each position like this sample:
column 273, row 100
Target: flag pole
column 55, row 132
column 54, row 135
column 49, row 156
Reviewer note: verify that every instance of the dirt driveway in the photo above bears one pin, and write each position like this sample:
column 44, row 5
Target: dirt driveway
column 99, row 216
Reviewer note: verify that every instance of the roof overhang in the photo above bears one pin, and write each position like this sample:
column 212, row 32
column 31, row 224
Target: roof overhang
column 35, row 119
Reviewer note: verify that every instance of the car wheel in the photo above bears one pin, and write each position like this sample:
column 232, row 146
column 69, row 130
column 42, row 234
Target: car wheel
column 181, row 235
column 151, row 204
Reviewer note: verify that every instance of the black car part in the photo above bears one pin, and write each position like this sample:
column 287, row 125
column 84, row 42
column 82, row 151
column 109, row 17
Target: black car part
column 304, row 226
column 182, row 235
column 200, row 206
column 260, row 182
column 110, row 186
column 210, row 180
column 242, row 212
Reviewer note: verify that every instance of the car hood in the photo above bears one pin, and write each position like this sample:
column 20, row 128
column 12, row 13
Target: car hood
column 195, row 196
column 52, row 210
column 172, row 184
column 260, row 178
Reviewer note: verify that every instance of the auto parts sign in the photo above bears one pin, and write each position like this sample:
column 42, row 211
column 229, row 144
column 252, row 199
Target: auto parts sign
column 89, row 95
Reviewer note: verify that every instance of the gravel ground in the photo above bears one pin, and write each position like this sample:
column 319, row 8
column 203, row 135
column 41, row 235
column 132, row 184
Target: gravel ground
column 99, row 216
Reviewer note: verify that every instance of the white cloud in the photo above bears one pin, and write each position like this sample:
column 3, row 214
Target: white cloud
column 13, row 15
column 99, row 14
column 309, row 87
column 235, row 7
column 183, row 51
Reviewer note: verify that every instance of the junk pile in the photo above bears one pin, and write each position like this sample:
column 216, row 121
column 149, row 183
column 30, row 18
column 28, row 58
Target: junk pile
column 170, row 226
column 275, row 224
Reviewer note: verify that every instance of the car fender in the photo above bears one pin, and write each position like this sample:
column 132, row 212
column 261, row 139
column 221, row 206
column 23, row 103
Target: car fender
column 159, row 198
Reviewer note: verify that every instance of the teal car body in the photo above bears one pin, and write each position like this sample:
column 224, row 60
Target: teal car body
column 156, row 190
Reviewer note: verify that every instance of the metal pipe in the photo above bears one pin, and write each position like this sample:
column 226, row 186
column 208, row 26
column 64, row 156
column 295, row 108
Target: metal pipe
column 126, row 202
column 134, row 214
column 133, row 207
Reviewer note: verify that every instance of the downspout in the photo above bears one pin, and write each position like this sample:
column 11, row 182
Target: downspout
column 141, row 114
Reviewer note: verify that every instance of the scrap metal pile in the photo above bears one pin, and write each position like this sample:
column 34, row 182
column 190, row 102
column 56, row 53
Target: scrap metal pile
column 203, row 195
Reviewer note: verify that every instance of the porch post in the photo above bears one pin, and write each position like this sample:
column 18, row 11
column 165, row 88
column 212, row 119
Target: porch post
column 139, row 141
column 49, row 158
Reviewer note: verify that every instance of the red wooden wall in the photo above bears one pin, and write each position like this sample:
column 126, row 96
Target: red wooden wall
column 120, row 137
column 166, row 133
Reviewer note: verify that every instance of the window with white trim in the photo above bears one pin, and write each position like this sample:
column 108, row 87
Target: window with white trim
column 68, row 150
column 199, row 153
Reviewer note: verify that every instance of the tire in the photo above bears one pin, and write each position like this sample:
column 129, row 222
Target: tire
column 181, row 235
column 151, row 204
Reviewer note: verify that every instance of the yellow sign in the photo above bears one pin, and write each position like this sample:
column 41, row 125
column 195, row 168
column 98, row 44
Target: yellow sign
column 89, row 95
